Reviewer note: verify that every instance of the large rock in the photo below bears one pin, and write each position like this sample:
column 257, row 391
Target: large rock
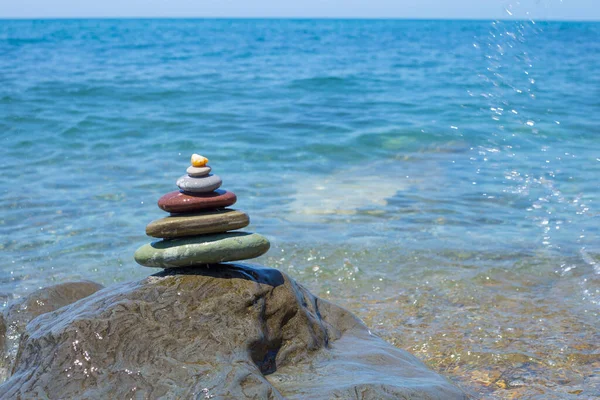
column 220, row 331
column 19, row 313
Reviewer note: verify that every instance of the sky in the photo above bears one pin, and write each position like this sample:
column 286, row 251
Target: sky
column 447, row 9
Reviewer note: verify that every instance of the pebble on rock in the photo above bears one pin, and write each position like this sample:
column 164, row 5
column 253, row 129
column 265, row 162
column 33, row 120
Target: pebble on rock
column 198, row 161
column 179, row 202
column 197, row 172
column 205, row 184
column 215, row 221
column 198, row 230
column 205, row 249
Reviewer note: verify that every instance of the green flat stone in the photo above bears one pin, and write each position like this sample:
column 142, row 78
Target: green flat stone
column 204, row 249
column 216, row 221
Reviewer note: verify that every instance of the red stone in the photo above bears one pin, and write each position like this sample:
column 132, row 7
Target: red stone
column 179, row 202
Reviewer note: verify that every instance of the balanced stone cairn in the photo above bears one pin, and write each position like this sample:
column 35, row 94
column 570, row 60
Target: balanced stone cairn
column 198, row 230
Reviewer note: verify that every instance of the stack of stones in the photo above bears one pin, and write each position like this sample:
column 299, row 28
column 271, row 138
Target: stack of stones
column 198, row 231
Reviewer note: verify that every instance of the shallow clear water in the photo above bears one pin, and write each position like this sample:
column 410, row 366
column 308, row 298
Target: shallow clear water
column 439, row 179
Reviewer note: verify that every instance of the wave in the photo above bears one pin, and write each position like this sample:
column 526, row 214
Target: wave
column 324, row 82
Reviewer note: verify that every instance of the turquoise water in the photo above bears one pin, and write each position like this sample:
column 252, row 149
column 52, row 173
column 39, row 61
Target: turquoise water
column 438, row 178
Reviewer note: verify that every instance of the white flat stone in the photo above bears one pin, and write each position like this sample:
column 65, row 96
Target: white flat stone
column 197, row 172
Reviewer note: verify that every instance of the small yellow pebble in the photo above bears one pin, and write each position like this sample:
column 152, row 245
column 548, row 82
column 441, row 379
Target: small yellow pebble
column 198, row 160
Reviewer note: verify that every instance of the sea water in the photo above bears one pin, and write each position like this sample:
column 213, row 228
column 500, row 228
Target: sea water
column 438, row 178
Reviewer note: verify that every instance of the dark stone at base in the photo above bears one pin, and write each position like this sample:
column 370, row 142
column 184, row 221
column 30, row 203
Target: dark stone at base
column 218, row 331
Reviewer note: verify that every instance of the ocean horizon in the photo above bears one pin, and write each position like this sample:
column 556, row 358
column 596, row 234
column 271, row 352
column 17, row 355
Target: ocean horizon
column 290, row 18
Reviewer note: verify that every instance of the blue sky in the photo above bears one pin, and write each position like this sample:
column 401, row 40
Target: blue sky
column 475, row 9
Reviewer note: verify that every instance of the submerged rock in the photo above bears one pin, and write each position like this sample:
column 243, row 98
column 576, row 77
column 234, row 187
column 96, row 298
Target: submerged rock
column 219, row 331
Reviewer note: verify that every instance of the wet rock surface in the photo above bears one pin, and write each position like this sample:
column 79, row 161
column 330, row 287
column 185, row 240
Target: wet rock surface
column 17, row 315
column 219, row 331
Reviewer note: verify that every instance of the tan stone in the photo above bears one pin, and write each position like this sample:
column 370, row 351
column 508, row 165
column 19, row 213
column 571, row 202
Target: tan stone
column 214, row 221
